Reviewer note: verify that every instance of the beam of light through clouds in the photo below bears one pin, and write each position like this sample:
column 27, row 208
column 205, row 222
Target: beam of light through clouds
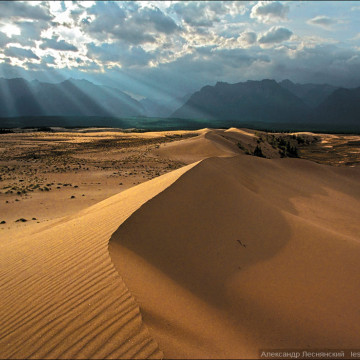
column 170, row 48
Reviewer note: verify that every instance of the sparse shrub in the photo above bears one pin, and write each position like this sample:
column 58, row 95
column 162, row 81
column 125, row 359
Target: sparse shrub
column 243, row 148
column 291, row 151
column 258, row 152
column 300, row 139
column 21, row 220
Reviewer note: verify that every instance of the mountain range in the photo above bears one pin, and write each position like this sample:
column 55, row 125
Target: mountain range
column 19, row 97
column 265, row 101
column 268, row 101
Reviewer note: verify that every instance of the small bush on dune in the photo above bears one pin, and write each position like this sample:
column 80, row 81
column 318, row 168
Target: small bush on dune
column 258, row 152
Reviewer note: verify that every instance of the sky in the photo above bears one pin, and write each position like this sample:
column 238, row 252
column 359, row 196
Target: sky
column 163, row 49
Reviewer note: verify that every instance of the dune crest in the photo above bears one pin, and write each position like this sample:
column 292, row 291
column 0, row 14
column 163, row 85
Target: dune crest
column 243, row 253
column 60, row 294
column 208, row 143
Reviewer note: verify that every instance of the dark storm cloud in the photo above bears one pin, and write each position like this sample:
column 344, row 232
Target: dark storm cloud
column 56, row 44
column 275, row 35
column 20, row 53
column 11, row 9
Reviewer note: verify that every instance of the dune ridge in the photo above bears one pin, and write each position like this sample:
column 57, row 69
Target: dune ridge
column 251, row 253
column 60, row 294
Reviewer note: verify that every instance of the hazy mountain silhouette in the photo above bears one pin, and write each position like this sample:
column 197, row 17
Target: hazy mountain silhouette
column 161, row 108
column 264, row 101
column 341, row 107
column 19, row 97
column 311, row 94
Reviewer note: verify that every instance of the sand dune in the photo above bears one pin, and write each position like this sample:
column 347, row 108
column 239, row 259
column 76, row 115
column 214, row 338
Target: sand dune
column 209, row 143
column 218, row 259
column 243, row 253
column 60, row 295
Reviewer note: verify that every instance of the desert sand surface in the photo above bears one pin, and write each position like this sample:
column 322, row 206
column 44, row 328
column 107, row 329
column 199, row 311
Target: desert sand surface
column 213, row 254
column 48, row 175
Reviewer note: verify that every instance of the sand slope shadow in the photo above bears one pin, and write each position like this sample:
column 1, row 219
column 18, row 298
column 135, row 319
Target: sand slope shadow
column 222, row 268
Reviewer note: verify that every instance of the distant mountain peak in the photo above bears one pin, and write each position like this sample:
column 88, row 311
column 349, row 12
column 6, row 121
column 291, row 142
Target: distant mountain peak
column 247, row 101
column 286, row 82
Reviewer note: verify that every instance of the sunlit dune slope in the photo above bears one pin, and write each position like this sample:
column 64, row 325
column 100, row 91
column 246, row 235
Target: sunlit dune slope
column 214, row 142
column 207, row 144
column 60, row 296
column 244, row 253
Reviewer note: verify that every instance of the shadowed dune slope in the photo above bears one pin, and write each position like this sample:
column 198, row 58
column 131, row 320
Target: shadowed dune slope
column 60, row 295
column 244, row 253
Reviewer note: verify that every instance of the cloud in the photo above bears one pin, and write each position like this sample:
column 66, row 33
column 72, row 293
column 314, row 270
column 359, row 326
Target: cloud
column 48, row 59
column 269, row 11
column 55, row 44
column 236, row 58
column 20, row 53
column 4, row 39
column 196, row 13
column 156, row 19
column 119, row 53
column 323, row 21
column 206, row 13
column 249, row 37
column 16, row 9
column 276, row 34
column 128, row 22
column 30, row 31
